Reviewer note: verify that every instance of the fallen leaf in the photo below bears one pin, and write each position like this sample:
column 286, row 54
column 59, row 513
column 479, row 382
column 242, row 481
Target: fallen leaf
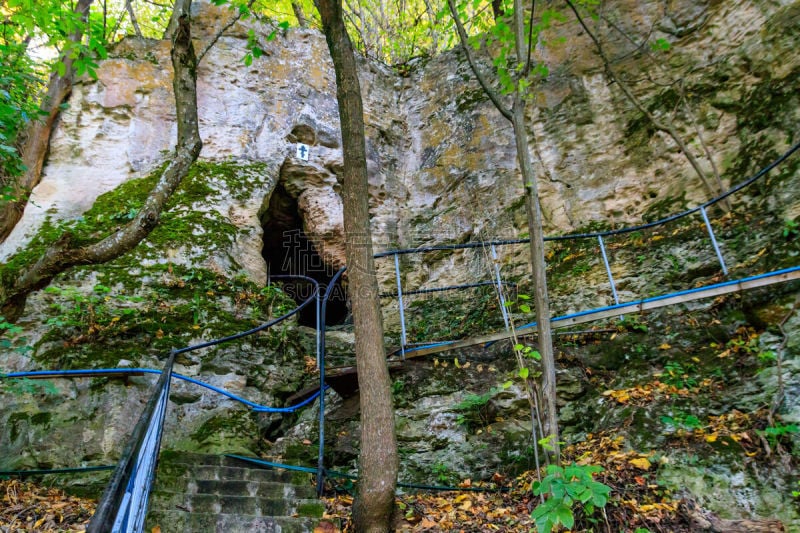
column 427, row 524
column 325, row 527
column 641, row 463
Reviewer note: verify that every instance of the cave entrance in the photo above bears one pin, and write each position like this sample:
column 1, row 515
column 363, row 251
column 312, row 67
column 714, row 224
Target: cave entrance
column 288, row 251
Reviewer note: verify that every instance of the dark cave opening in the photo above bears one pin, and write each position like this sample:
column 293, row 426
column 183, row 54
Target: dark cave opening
column 288, row 251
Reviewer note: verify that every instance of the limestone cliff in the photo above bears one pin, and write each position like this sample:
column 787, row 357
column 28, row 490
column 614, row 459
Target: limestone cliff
column 442, row 170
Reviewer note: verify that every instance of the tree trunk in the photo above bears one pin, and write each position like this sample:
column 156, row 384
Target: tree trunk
column 378, row 462
column 60, row 256
column 497, row 10
column 516, row 115
column 298, row 13
column 37, row 137
column 539, row 266
column 538, row 263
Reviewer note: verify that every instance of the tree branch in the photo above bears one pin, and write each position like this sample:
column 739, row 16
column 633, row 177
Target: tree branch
column 132, row 15
column 667, row 127
column 225, row 28
column 60, row 256
column 462, row 37
column 37, row 136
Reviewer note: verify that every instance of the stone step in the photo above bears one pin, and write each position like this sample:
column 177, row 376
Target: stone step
column 195, row 492
column 231, row 472
column 199, row 459
column 235, row 503
column 251, row 483
column 175, row 521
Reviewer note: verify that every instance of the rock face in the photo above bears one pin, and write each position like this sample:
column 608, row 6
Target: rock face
column 442, row 170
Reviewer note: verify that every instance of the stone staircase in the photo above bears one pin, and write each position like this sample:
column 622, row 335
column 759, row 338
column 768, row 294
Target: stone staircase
column 208, row 493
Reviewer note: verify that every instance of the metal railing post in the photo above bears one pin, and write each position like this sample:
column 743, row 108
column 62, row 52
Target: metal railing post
column 323, row 306
column 124, row 503
column 319, row 327
column 713, row 240
column 608, row 269
column 402, row 310
column 503, row 309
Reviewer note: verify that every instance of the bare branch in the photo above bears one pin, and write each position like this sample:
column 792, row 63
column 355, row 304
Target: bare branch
column 132, row 15
column 666, row 126
column 491, row 93
column 234, row 19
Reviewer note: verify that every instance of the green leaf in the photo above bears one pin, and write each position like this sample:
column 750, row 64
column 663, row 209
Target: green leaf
column 565, row 516
column 523, row 372
column 248, row 59
column 660, row 45
column 525, row 308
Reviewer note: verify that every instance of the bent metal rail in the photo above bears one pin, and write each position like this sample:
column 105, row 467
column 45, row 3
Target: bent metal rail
column 618, row 308
column 123, row 506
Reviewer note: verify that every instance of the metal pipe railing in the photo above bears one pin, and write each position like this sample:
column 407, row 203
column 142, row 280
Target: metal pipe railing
column 123, row 505
column 322, row 310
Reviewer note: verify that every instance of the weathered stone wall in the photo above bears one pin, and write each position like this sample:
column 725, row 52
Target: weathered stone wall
column 442, row 169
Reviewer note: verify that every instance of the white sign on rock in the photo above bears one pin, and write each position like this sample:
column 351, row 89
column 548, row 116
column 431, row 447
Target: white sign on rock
column 303, row 151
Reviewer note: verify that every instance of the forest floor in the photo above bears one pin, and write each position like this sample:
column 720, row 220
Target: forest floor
column 27, row 507
column 636, row 504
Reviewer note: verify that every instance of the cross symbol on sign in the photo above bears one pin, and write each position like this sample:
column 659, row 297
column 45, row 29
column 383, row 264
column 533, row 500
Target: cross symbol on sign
column 303, row 152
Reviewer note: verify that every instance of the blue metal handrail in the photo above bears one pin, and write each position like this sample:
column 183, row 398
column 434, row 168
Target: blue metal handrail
column 123, row 507
column 124, row 503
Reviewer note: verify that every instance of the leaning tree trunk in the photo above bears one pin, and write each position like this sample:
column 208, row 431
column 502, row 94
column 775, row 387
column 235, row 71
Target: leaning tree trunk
column 539, row 265
column 61, row 256
column 536, row 228
column 37, row 137
column 378, row 462
column 516, row 115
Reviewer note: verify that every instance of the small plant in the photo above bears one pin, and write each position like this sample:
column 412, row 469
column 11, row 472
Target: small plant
column 767, row 356
column 682, row 421
column 521, row 302
column 473, row 408
column 774, row 433
column 660, row 45
column 10, row 337
column 443, row 473
column 791, row 229
column 23, row 386
column 632, row 323
column 564, row 487
column 796, row 493
column 677, row 375
column 398, row 386
column 528, row 352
